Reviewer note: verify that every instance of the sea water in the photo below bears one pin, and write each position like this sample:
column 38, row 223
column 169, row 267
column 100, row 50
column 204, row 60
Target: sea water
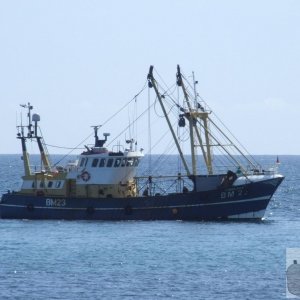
column 154, row 259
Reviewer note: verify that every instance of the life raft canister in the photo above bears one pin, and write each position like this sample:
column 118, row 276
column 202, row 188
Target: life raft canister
column 85, row 176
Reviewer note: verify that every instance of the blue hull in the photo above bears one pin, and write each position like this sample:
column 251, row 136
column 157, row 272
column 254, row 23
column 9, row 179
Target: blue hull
column 246, row 201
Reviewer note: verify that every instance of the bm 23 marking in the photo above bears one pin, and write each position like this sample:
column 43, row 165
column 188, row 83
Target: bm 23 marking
column 238, row 192
column 55, row 202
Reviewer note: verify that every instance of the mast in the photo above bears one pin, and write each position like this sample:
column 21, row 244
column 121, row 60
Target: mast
column 44, row 156
column 204, row 117
column 32, row 134
column 25, row 155
column 152, row 83
column 36, row 118
column 192, row 118
column 22, row 137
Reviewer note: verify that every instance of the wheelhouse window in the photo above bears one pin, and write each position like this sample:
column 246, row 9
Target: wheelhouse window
column 50, row 184
column 136, row 162
column 117, row 162
column 110, row 162
column 33, row 184
column 95, row 162
column 42, row 184
column 129, row 162
column 82, row 162
column 86, row 161
column 58, row 184
column 102, row 162
column 124, row 161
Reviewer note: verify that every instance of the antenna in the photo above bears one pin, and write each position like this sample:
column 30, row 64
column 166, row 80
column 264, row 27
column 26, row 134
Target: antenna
column 29, row 126
column 195, row 90
column 131, row 142
column 96, row 127
column 99, row 143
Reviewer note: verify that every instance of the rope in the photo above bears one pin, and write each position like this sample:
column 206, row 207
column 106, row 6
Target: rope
column 63, row 147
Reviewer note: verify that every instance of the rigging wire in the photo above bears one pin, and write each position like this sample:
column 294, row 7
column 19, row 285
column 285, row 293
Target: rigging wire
column 76, row 147
column 162, row 157
column 228, row 130
column 135, row 116
column 129, row 125
column 134, row 98
column 64, row 147
column 149, row 132
column 107, row 120
column 45, row 146
column 161, row 116
column 161, row 79
column 224, row 137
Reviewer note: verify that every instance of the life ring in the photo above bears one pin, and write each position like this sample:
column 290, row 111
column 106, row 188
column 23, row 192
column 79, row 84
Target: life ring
column 85, row 176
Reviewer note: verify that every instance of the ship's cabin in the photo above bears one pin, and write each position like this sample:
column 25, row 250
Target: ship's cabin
column 100, row 166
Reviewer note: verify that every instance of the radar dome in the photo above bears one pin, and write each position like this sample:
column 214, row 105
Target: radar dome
column 36, row 118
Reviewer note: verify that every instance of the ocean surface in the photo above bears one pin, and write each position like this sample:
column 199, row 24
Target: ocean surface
column 150, row 260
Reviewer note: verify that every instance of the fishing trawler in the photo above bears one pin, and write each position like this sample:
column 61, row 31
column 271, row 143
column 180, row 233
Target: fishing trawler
column 104, row 184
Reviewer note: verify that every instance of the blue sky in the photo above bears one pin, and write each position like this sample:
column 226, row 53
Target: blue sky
column 77, row 62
